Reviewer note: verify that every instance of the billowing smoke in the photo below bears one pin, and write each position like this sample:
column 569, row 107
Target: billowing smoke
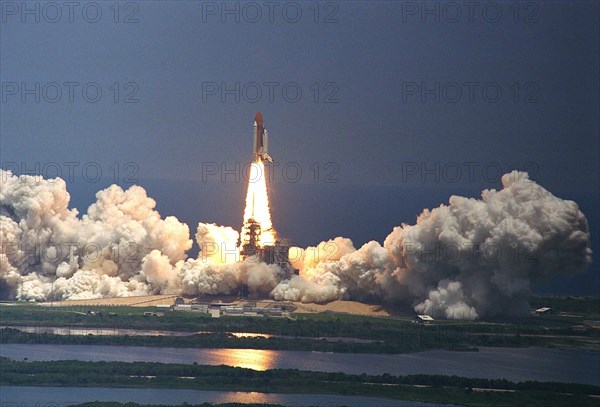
column 121, row 246
column 469, row 259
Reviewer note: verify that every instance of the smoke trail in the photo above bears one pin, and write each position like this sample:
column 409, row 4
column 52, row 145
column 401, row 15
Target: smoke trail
column 468, row 259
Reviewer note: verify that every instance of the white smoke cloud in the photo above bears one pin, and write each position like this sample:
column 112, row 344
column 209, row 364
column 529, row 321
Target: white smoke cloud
column 447, row 301
column 218, row 244
column 468, row 259
column 118, row 248
column 217, row 270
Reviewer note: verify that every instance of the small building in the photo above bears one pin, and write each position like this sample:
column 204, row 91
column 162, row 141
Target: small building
column 200, row 308
column 232, row 310
column 163, row 307
column 543, row 311
column 248, row 314
column 215, row 312
column 423, row 319
column 276, row 312
column 222, row 304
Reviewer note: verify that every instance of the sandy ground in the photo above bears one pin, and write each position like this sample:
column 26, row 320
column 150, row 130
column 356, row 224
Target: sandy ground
column 345, row 307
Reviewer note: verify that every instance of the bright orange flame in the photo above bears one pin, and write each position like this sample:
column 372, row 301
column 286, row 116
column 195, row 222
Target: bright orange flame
column 247, row 358
column 257, row 204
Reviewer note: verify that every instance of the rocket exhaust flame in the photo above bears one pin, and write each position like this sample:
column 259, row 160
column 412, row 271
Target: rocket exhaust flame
column 257, row 207
column 257, row 229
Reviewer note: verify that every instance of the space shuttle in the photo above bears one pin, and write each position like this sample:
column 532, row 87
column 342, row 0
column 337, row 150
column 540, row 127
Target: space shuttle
column 261, row 140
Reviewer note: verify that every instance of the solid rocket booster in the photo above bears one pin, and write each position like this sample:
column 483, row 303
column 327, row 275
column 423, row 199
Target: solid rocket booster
column 260, row 146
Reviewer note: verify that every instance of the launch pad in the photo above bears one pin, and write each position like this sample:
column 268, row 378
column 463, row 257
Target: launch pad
column 276, row 253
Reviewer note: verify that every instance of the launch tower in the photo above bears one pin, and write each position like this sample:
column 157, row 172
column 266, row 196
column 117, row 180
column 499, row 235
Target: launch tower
column 251, row 245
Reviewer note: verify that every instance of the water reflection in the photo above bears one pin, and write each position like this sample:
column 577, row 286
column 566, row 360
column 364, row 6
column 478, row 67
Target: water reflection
column 515, row 364
column 247, row 358
column 65, row 331
column 245, row 397
column 64, row 396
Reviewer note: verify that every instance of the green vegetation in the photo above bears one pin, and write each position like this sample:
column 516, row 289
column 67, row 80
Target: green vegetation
column 427, row 388
column 577, row 326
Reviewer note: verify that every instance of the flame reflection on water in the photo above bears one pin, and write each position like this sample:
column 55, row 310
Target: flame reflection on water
column 247, row 358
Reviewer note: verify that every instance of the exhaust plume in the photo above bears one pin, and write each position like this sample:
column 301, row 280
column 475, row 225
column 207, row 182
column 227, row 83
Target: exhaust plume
column 469, row 259
column 121, row 246
column 257, row 205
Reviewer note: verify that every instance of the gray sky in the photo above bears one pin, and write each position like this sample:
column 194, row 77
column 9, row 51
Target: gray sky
column 393, row 95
